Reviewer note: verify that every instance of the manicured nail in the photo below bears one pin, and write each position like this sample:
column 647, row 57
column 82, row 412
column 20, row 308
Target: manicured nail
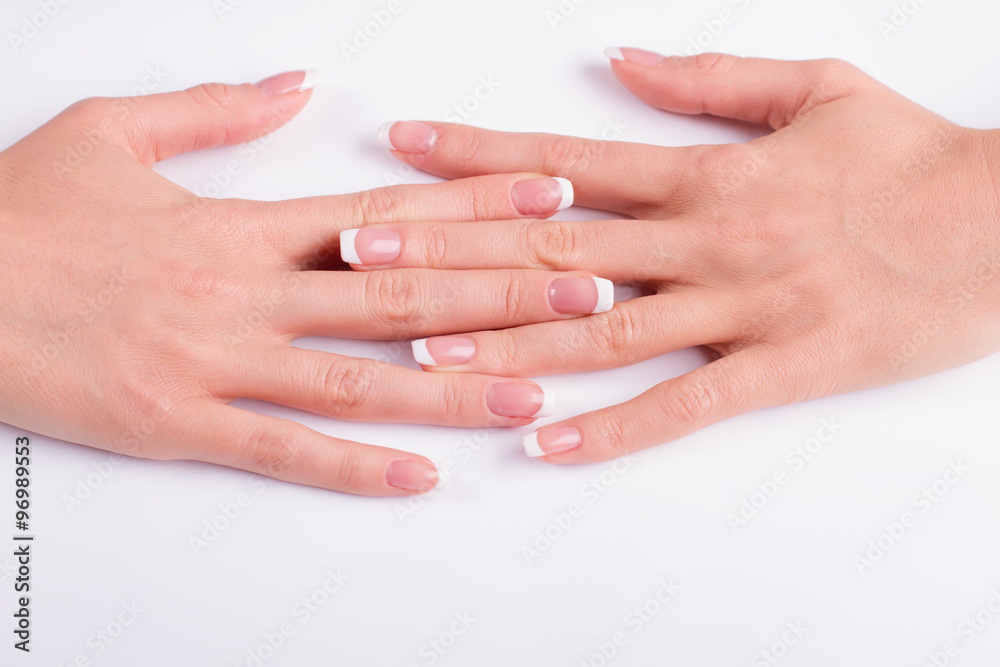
column 412, row 476
column 444, row 350
column 289, row 82
column 542, row 195
column 634, row 56
column 519, row 399
column 552, row 440
column 369, row 247
column 407, row 136
column 581, row 296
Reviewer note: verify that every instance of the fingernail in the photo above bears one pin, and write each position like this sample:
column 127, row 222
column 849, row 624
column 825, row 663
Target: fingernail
column 444, row 350
column 519, row 399
column 407, row 136
column 289, row 82
column 412, row 476
column 369, row 247
column 542, row 195
column 552, row 440
column 634, row 56
column 581, row 296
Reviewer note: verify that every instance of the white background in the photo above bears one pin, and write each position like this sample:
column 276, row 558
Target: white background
column 460, row 551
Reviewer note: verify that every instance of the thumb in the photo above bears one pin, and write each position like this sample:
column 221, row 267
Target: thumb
column 155, row 127
column 774, row 92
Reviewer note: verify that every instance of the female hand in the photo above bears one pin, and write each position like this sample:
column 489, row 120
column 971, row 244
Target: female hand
column 855, row 246
column 132, row 311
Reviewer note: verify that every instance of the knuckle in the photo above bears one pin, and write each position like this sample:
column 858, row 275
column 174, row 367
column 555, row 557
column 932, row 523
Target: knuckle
column 89, row 109
column 432, row 246
column 513, row 296
column 345, row 386
column 613, row 333
column 708, row 64
column 393, row 296
column 379, row 205
column 348, row 471
column 569, row 157
column 467, row 142
column 725, row 164
column 690, row 404
column 453, row 395
column 551, row 243
column 270, row 449
column 612, row 432
column 504, row 346
column 214, row 95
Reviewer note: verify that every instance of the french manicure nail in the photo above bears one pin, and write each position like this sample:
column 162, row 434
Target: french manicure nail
column 407, row 136
column 444, row 350
column 412, row 476
column 519, row 399
column 289, row 82
column 552, row 440
column 369, row 247
column 542, row 195
column 634, row 56
column 581, row 296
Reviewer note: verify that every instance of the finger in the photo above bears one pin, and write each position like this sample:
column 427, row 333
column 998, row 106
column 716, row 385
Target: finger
column 216, row 433
column 609, row 175
column 623, row 251
column 300, row 229
column 155, row 127
column 730, row 386
column 362, row 389
column 632, row 331
column 402, row 303
column 750, row 89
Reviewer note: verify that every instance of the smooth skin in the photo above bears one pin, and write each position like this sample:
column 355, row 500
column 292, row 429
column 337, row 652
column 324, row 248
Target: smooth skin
column 857, row 245
column 134, row 312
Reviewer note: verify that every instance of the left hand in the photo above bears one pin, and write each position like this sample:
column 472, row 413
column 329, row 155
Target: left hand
column 855, row 246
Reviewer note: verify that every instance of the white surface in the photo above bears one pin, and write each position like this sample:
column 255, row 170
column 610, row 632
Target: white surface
column 414, row 565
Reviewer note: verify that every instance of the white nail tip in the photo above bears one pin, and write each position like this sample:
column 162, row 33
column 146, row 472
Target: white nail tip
column 567, row 193
column 531, row 446
column 420, row 353
column 310, row 80
column 605, row 295
column 348, row 252
column 548, row 405
column 383, row 135
column 614, row 53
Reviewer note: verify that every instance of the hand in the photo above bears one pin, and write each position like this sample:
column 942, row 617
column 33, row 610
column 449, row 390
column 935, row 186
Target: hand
column 856, row 245
column 133, row 312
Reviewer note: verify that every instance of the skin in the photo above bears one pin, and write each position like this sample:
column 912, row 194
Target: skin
column 134, row 312
column 855, row 246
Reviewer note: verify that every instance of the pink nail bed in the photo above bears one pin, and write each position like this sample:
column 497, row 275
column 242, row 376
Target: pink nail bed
column 289, row 82
column 519, row 399
column 552, row 440
column 444, row 350
column 369, row 247
column 581, row 296
column 538, row 196
column 407, row 137
column 412, row 476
